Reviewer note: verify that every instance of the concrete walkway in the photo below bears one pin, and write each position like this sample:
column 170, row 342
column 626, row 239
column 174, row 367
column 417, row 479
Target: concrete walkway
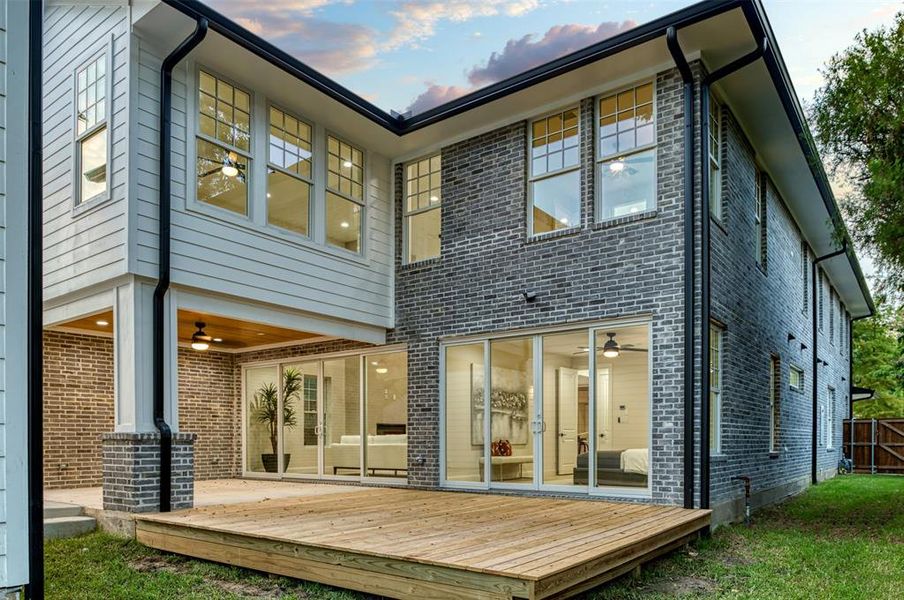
column 214, row 492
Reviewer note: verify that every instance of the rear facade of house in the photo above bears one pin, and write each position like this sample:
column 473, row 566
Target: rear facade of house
column 488, row 296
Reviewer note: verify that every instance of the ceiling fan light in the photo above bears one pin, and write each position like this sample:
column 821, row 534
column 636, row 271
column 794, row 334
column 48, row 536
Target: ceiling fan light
column 230, row 169
column 381, row 370
column 610, row 348
column 200, row 341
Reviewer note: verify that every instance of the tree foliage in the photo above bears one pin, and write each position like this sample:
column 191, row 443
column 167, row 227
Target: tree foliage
column 879, row 361
column 858, row 115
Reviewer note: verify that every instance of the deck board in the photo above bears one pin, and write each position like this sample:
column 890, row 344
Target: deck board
column 408, row 543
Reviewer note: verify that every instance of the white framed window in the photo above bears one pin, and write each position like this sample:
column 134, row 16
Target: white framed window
column 626, row 152
column 423, row 208
column 92, row 143
column 804, row 276
column 775, row 375
column 759, row 217
column 223, row 144
column 830, row 419
column 715, row 158
column 345, row 201
column 831, row 316
column 554, row 186
column 820, row 297
column 796, row 378
column 715, row 389
column 290, row 170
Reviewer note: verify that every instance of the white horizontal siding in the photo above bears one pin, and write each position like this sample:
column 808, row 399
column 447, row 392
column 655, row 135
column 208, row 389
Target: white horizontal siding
column 242, row 259
column 83, row 248
column 13, row 226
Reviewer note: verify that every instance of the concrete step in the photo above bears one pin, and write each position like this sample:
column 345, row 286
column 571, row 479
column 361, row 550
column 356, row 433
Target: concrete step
column 61, row 509
column 66, row 527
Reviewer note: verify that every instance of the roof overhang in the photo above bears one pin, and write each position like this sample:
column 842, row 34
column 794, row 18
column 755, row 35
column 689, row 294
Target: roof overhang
column 760, row 95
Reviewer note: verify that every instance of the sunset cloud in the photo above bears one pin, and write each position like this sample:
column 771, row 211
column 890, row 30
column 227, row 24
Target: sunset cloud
column 519, row 55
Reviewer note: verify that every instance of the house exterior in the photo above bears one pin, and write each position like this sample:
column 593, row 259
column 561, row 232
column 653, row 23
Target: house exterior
column 14, row 65
column 517, row 291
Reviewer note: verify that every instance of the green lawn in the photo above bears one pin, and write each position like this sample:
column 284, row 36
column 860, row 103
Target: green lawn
column 841, row 539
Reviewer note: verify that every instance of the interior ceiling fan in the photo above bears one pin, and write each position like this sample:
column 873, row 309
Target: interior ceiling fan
column 612, row 348
column 230, row 168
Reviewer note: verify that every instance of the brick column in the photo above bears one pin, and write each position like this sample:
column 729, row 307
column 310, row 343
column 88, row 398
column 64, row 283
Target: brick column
column 131, row 471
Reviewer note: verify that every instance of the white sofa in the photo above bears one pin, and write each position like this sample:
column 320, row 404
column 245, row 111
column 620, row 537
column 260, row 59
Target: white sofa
column 386, row 454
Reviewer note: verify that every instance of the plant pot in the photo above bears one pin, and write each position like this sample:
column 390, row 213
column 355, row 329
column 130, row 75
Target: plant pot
column 270, row 461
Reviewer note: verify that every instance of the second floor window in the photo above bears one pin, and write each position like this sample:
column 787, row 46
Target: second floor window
column 555, row 177
column 344, row 195
column 796, row 378
column 423, row 198
column 627, row 152
column 804, row 275
column 759, row 217
column 820, row 297
column 775, row 411
column 223, row 144
column 715, row 159
column 831, row 316
column 91, row 130
column 289, row 173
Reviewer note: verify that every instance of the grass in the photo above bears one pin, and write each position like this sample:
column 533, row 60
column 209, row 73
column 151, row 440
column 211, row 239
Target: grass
column 841, row 539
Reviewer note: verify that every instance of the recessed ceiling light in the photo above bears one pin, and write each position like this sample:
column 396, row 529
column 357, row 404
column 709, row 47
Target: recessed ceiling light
column 260, row 333
column 434, row 198
column 218, row 340
column 381, row 370
column 344, row 225
column 374, row 363
column 617, row 166
column 347, row 164
column 102, row 322
column 268, row 194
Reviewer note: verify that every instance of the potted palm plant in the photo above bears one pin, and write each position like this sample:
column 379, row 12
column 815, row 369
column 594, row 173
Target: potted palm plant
column 265, row 410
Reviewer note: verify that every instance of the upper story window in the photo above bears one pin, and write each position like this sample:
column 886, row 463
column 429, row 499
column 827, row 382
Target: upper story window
column 831, row 316
column 759, row 217
column 555, row 178
column 91, row 130
column 344, row 195
column 715, row 158
column 804, row 275
column 796, row 378
column 820, row 298
column 289, row 172
column 627, row 152
column 830, row 419
column 423, row 198
column 223, row 144
column 715, row 389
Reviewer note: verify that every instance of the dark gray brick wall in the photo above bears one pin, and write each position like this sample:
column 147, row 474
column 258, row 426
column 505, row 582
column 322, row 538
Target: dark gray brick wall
column 761, row 308
column 628, row 268
column 131, row 471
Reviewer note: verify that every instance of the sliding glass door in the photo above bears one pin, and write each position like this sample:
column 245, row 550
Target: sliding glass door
column 312, row 418
column 560, row 411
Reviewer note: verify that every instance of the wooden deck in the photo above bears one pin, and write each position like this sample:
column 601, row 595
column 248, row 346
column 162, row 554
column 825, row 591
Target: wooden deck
column 427, row 544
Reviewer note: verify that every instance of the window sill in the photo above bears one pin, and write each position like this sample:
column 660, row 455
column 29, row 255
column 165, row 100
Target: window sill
column 719, row 223
column 762, row 268
column 91, row 204
column 551, row 235
column 718, row 456
column 420, row 265
column 641, row 216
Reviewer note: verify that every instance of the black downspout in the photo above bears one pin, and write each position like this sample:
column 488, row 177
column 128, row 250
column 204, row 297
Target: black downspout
column 163, row 258
column 815, row 363
column 35, row 326
column 688, row 78
column 705, row 283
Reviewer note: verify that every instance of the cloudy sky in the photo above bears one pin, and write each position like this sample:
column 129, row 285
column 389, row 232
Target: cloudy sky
column 414, row 54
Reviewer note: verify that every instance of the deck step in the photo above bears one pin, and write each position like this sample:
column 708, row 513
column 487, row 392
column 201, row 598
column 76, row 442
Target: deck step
column 54, row 510
column 66, row 527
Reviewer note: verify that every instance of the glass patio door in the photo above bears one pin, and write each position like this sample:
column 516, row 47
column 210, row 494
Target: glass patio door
column 302, row 418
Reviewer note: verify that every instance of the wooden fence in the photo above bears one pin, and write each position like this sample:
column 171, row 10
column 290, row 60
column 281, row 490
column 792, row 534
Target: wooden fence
column 875, row 446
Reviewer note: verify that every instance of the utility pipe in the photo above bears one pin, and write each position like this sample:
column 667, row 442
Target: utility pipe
column 163, row 258
column 35, row 316
column 814, row 432
column 688, row 78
